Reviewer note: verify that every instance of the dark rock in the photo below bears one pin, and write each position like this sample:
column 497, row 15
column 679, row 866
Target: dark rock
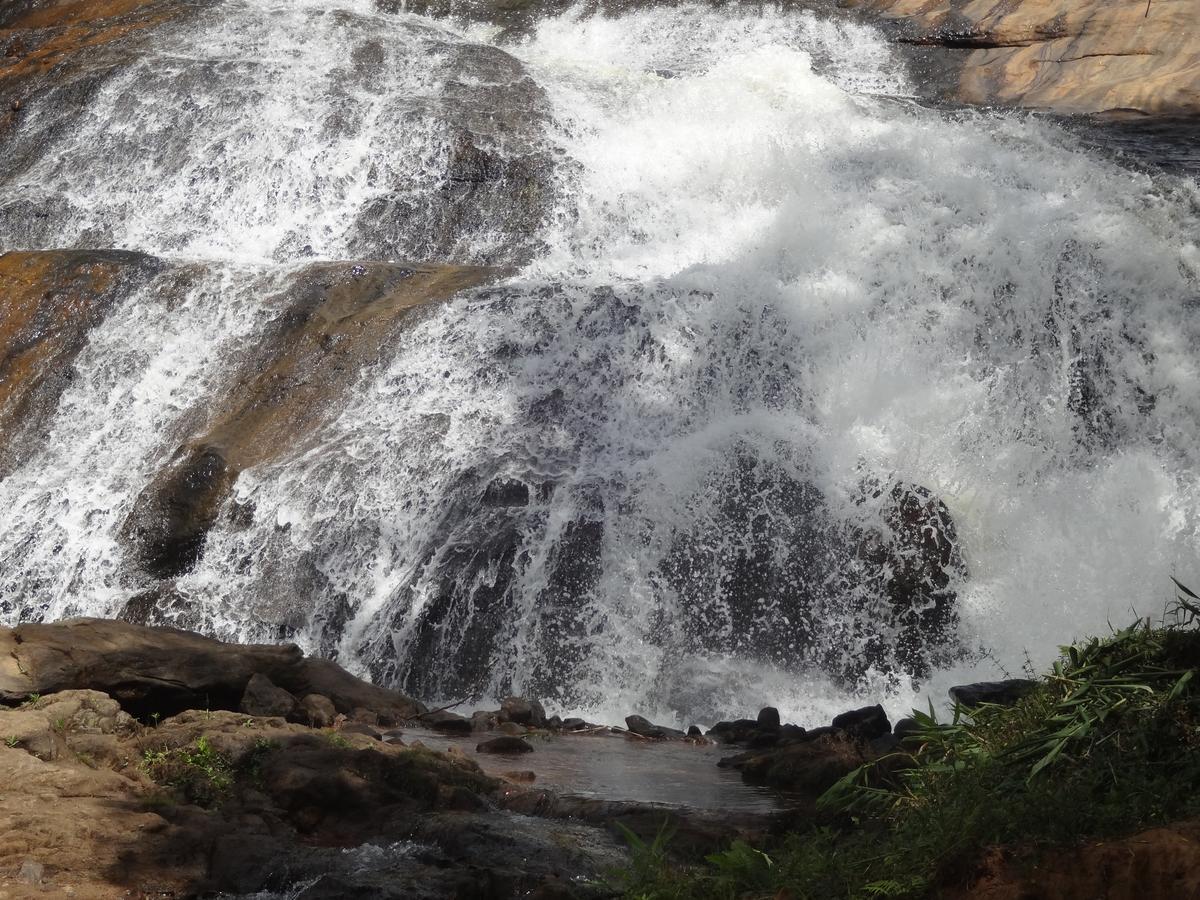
column 885, row 744
column 768, row 717
column 811, row 767
column 694, row 731
column 574, row 723
column 523, row 712
column 642, row 726
column 905, row 727
column 506, row 493
column 554, row 723
column 448, row 722
column 504, row 744
column 316, row 711
column 482, row 720
column 263, row 698
column 766, row 738
column 999, row 693
column 867, row 723
column 735, row 732
column 791, row 733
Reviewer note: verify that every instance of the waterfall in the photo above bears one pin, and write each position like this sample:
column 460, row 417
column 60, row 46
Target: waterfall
column 765, row 331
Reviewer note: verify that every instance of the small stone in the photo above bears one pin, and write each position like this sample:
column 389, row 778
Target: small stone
column 263, row 698
column 316, row 710
column 31, row 872
column 505, row 745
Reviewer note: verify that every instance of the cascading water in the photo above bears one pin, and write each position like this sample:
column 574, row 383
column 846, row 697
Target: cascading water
column 760, row 302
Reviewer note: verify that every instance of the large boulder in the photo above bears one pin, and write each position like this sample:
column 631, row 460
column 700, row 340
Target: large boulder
column 1067, row 55
column 160, row 671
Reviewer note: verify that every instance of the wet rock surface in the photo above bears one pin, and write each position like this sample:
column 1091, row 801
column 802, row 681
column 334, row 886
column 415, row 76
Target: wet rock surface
column 51, row 300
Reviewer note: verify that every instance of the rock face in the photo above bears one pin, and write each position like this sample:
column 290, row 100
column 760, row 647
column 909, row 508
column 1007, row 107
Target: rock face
column 335, row 319
column 1075, row 56
column 52, row 299
column 160, row 671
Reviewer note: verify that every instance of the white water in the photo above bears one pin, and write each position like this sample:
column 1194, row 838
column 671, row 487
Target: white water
column 747, row 256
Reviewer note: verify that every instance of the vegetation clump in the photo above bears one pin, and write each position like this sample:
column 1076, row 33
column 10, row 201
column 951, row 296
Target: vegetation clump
column 1104, row 745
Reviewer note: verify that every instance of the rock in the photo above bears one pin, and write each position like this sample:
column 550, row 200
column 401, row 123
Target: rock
column 339, row 317
column 523, row 712
column 694, row 731
column 574, row 723
column 53, row 299
column 511, row 728
column 554, row 723
column 644, row 727
column 736, row 732
column 768, row 717
column 1071, row 56
column 316, row 711
column 392, row 736
column 31, row 872
column 161, row 671
column 448, row 722
column 867, row 723
column 999, row 693
column 904, row 727
column 504, row 744
column 523, row 776
column 360, row 728
column 262, row 698
column 481, row 720
column 810, row 767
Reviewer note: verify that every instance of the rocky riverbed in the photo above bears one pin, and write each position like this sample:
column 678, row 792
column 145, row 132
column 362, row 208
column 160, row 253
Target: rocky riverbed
column 155, row 762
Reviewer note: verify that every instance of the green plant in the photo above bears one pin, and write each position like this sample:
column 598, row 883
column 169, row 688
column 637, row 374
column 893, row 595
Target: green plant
column 201, row 774
column 1106, row 743
column 12, row 741
column 31, row 700
column 337, row 740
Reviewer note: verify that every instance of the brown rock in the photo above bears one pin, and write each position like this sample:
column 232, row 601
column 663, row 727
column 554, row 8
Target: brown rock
column 1067, row 55
column 262, row 698
column 163, row 670
column 316, row 710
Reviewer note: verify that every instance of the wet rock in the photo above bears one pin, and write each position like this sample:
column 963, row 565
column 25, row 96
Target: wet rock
column 999, row 693
column 511, row 728
column 448, row 722
column 336, row 318
column 867, row 723
column 53, row 299
column 523, row 712
column 768, row 717
column 316, row 711
column 392, row 736
column 904, row 727
column 694, row 731
column 263, row 698
column 735, row 732
column 504, row 745
column 574, row 723
column 810, row 767
column 642, row 726
column 482, row 720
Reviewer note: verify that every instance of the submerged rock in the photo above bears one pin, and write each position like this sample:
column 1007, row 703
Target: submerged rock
column 506, row 745
column 642, row 726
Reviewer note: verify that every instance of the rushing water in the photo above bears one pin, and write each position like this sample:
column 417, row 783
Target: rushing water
column 753, row 277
